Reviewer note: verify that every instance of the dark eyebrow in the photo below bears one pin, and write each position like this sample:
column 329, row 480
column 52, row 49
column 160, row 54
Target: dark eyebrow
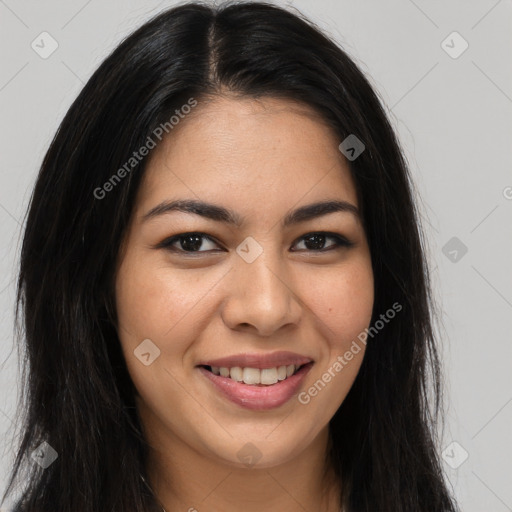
column 221, row 214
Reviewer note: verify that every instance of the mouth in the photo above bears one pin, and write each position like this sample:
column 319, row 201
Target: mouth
column 256, row 376
column 257, row 382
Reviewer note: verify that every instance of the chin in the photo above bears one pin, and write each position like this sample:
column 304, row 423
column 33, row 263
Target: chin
column 260, row 449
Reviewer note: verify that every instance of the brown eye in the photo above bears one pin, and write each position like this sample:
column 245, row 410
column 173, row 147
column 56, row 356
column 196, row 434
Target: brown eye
column 188, row 243
column 316, row 242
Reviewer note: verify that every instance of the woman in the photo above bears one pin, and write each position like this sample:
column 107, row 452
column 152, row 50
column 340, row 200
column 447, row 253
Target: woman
column 225, row 299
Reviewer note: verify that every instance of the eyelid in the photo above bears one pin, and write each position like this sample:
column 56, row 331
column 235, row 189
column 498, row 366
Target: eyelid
column 341, row 242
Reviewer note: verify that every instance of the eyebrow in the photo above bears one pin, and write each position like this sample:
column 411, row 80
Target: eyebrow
column 220, row 214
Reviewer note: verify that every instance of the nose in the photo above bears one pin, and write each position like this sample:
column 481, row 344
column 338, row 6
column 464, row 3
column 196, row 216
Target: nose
column 261, row 297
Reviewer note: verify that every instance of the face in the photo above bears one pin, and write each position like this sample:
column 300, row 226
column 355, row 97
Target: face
column 211, row 307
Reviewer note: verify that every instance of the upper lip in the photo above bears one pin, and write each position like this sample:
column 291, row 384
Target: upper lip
column 260, row 361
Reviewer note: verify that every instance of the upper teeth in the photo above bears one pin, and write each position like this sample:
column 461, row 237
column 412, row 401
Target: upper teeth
column 255, row 375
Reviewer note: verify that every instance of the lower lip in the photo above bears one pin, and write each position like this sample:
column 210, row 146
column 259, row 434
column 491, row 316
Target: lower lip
column 258, row 398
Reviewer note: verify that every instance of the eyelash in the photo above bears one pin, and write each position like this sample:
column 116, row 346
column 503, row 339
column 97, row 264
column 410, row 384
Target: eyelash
column 340, row 242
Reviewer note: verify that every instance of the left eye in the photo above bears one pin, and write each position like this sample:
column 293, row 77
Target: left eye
column 318, row 239
column 192, row 242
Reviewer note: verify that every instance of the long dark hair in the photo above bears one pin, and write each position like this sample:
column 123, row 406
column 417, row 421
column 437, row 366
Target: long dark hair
column 79, row 397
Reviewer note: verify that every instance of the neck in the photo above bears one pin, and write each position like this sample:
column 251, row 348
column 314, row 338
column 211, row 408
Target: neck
column 191, row 481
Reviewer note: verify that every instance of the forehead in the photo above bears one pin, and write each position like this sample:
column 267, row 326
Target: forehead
column 253, row 155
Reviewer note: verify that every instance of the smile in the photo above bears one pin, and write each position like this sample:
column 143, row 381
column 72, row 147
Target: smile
column 256, row 376
column 257, row 382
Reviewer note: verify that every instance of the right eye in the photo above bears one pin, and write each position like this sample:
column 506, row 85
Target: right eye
column 189, row 242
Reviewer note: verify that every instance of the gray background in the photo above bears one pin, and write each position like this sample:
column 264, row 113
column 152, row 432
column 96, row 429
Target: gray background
column 453, row 116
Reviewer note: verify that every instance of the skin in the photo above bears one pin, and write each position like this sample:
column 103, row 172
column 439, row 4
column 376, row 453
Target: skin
column 262, row 159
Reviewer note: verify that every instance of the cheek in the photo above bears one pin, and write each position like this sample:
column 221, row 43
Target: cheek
column 155, row 304
column 342, row 301
column 166, row 307
column 342, row 308
column 152, row 301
